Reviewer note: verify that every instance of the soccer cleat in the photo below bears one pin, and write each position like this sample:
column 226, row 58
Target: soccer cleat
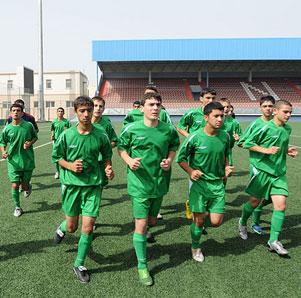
column 243, row 231
column 28, row 192
column 159, row 216
column 145, row 277
column 82, row 274
column 257, row 229
column 56, row 175
column 188, row 212
column 204, row 232
column 18, row 212
column 58, row 236
column 197, row 255
column 149, row 237
column 277, row 247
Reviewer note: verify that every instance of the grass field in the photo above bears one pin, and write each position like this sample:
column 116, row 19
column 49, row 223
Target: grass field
column 32, row 266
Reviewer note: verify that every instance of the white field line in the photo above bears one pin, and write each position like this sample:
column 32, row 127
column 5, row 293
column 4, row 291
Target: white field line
column 34, row 148
column 294, row 146
column 294, row 136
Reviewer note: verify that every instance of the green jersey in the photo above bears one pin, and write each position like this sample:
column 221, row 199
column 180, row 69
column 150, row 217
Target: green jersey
column 231, row 126
column 151, row 144
column 18, row 158
column 137, row 115
column 58, row 126
column 192, row 120
column 106, row 124
column 206, row 153
column 72, row 146
column 268, row 136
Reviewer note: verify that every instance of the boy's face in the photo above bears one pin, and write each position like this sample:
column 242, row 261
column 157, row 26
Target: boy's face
column 152, row 109
column 16, row 113
column 60, row 113
column 283, row 113
column 267, row 108
column 207, row 98
column 84, row 114
column 226, row 106
column 215, row 119
column 136, row 106
column 99, row 108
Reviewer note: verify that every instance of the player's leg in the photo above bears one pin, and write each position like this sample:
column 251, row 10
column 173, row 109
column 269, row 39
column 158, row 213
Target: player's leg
column 26, row 186
column 57, row 173
column 188, row 212
column 154, row 209
column 15, row 178
column 141, row 208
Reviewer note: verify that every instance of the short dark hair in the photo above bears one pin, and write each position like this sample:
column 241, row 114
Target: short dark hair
column 151, row 87
column 83, row 101
column 225, row 99
column 207, row 90
column 60, row 108
column 99, row 98
column 137, row 102
column 150, row 95
column 267, row 98
column 214, row 105
column 16, row 105
column 282, row 102
column 20, row 102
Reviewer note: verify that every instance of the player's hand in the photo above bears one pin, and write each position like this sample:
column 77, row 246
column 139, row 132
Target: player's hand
column 165, row 164
column 26, row 145
column 195, row 175
column 273, row 150
column 236, row 137
column 4, row 154
column 134, row 163
column 228, row 171
column 77, row 166
column 109, row 172
column 51, row 138
column 292, row 152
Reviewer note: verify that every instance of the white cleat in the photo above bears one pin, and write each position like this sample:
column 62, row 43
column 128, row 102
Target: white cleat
column 197, row 255
column 56, row 175
column 278, row 248
column 243, row 231
column 18, row 212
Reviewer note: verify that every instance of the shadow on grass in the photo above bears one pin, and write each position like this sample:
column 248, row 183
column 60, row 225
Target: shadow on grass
column 111, row 202
column 41, row 186
column 238, row 201
column 44, row 206
column 118, row 186
column 238, row 188
column 43, row 175
column 121, row 229
column 240, row 173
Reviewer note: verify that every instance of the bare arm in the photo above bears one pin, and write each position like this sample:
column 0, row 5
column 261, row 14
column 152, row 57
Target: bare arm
column 193, row 174
column 270, row 151
column 166, row 162
column 183, row 132
column 133, row 163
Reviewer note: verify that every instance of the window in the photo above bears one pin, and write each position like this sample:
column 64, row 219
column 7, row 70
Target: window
column 48, row 84
column 6, row 104
column 35, row 104
column 69, row 104
column 68, row 83
column 10, row 84
column 49, row 104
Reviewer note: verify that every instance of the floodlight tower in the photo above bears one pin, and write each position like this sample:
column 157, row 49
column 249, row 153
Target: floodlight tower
column 41, row 77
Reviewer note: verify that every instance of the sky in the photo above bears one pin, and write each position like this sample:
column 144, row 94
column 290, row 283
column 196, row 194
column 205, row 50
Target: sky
column 69, row 26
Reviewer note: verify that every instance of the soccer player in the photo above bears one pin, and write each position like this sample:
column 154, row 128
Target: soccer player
column 271, row 145
column 266, row 107
column 25, row 116
column 58, row 125
column 136, row 105
column 231, row 126
column 148, row 148
column 192, row 121
column 77, row 151
column 105, row 123
column 20, row 135
column 203, row 155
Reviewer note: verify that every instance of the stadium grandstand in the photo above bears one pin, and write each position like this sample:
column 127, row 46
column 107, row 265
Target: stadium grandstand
column 240, row 69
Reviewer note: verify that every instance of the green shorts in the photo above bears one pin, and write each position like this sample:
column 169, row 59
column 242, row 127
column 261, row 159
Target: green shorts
column 264, row 185
column 19, row 176
column 145, row 207
column 207, row 196
column 81, row 200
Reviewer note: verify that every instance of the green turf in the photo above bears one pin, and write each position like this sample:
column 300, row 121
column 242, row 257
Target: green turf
column 32, row 266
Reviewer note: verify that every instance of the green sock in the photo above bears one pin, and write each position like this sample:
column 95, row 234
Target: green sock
column 256, row 215
column 276, row 224
column 63, row 226
column 247, row 210
column 83, row 248
column 207, row 221
column 139, row 242
column 196, row 233
column 16, row 196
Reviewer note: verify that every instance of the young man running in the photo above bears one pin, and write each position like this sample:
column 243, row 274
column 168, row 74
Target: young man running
column 192, row 121
column 76, row 151
column 270, row 145
column 267, row 103
column 148, row 148
column 20, row 135
column 58, row 125
column 105, row 123
column 203, row 155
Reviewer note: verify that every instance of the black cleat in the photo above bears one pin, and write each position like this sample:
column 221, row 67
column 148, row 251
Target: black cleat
column 58, row 236
column 82, row 274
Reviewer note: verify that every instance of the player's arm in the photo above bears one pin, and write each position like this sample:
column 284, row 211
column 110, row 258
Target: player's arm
column 133, row 163
column 166, row 162
column 183, row 125
column 3, row 144
column 34, row 138
column 193, row 174
column 292, row 152
column 3, row 151
column 106, row 153
column 269, row 151
column 183, row 132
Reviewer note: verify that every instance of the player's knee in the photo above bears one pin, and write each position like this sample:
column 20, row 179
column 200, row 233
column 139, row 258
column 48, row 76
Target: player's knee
column 15, row 185
column 216, row 223
column 152, row 221
column 199, row 221
column 254, row 202
column 71, row 228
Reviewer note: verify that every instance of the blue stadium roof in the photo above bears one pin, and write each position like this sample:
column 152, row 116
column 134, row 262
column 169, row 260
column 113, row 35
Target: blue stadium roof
column 197, row 49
